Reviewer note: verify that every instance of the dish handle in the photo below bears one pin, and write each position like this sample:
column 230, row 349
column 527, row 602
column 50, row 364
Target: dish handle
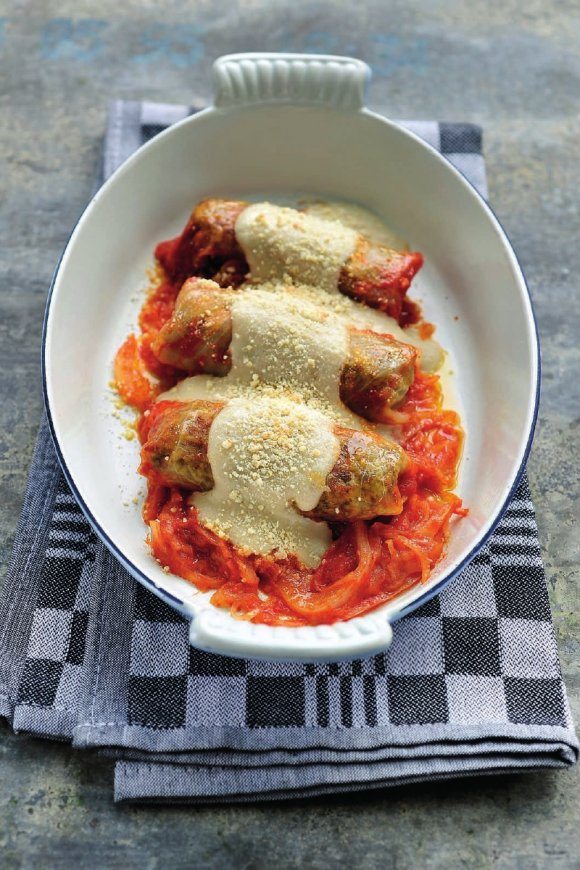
column 300, row 79
column 214, row 630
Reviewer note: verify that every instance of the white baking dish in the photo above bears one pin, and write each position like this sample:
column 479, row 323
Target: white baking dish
column 283, row 124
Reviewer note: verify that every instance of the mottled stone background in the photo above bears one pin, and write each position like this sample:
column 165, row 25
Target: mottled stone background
column 514, row 68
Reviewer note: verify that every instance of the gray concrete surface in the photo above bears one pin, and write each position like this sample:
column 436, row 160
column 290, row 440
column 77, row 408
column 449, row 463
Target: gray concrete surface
column 515, row 68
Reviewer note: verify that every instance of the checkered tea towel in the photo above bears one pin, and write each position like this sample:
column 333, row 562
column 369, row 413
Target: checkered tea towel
column 470, row 685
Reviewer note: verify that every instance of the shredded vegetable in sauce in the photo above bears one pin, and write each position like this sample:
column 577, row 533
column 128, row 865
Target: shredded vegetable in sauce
column 368, row 561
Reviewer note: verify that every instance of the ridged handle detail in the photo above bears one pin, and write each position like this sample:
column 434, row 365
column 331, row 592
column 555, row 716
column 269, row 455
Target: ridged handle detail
column 309, row 79
column 214, row 630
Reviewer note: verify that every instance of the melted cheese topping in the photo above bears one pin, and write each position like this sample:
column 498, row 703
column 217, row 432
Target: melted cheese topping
column 268, row 455
column 280, row 336
column 285, row 344
column 272, row 446
column 358, row 219
column 279, row 242
column 310, row 248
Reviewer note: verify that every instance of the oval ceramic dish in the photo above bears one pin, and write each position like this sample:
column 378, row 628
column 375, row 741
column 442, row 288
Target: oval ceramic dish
column 283, row 124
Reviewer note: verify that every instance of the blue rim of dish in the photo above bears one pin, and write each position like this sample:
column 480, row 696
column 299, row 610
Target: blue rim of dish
column 170, row 599
column 177, row 603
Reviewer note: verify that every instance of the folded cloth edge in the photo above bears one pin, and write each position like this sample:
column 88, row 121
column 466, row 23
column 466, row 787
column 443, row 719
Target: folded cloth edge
column 207, row 784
